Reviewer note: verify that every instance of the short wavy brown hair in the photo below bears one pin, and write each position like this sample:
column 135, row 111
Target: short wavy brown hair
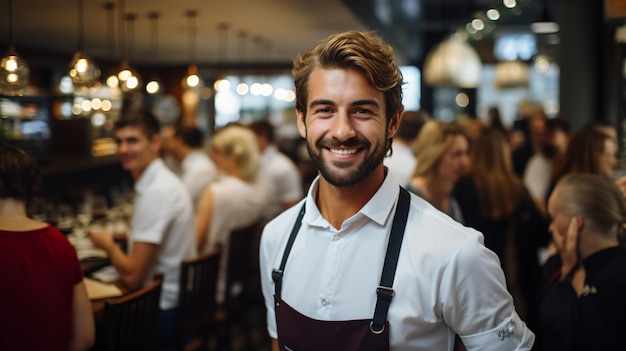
column 20, row 176
column 360, row 50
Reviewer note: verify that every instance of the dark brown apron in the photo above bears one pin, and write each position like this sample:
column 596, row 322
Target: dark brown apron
column 297, row 332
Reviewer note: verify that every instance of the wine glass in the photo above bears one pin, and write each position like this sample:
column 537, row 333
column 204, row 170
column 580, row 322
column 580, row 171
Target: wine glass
column 99, row 209
column 65, row 219
column 84, row 214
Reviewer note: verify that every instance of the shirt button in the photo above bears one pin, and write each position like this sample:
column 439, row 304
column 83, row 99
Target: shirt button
column 325, row 302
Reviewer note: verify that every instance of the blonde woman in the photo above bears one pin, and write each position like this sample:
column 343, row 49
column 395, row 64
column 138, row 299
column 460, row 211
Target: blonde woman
column 442, row 159
column 234, row 201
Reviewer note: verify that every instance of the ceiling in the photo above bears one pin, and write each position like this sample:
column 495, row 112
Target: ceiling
column 258, row 30
column 251, row 30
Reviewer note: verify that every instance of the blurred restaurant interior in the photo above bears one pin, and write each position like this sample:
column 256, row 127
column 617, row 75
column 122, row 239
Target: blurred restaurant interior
column 68, row 68
column 459, row 58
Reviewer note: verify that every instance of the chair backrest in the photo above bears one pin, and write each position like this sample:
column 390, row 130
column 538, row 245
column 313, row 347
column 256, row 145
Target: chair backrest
column 241, row 260
column 130, row 322
column 196, row 300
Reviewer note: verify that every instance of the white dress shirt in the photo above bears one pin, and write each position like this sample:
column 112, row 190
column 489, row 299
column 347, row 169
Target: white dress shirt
column 236, row 205
column 401, row 163
column 163, row 215
column 197, row 171
column 281, row 179
column 446, row 280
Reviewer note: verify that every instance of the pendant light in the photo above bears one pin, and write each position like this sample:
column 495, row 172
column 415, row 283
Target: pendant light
column 242, row 88
column 544, row 23
column 154, row 85
column 83, row 71
column 127, row 79
column 111, row 80
column 128, row 76
column 192, row 80
column 14, row 70
column 453, row 62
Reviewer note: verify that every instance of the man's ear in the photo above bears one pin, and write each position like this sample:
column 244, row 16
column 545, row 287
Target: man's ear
column 301, row 124
column 394, row 123
column 156, row 141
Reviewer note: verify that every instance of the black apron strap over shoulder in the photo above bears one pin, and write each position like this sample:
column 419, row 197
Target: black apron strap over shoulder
column 385, row 290
column 277, row 274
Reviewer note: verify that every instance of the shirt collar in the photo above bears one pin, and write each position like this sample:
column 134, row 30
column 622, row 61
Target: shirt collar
column 377, row 209
column 145, row 179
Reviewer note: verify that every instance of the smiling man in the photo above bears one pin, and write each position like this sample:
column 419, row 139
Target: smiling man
column 360, row 264
column 162, row 233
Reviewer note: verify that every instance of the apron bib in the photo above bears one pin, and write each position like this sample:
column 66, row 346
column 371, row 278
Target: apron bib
column 297, row 332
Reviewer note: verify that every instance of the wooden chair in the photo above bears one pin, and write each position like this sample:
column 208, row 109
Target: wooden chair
column 240, row 272
column 196, row 302
column 130, row 322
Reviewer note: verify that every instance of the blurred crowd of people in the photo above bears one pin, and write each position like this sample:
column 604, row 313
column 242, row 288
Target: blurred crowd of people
column 548, row 202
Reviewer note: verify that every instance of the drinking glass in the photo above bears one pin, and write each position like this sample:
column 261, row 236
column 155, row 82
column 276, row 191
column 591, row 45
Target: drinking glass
column 65, row 219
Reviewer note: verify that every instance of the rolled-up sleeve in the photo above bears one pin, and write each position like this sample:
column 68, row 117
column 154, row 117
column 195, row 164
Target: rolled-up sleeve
column 476, row 303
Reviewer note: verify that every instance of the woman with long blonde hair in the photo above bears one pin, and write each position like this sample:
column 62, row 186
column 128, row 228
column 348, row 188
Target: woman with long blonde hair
column 235, row 200
column 442, row 158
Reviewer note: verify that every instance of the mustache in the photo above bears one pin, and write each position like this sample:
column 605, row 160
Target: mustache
column 336, row 143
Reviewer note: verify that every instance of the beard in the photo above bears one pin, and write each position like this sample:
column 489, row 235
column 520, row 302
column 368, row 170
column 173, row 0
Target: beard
column 344, row 173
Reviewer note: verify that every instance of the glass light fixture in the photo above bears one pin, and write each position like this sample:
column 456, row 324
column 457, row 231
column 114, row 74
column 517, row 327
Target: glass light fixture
column 154, row 85
column 84, row 71
column 14, row 70
column 453, row 62
column 192, row 80
column 512, row 74
column 544, row 23
column 128, row 78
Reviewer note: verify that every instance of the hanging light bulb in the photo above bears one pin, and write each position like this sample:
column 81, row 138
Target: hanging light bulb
column 84, row 71
column 14, row 70
column 192, row 80
column 154, row 85
column 111, row 80
column 128, row 79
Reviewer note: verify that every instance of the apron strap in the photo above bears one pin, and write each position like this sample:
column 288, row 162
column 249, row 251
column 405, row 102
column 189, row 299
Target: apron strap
column 277, row 274
column 385, row 292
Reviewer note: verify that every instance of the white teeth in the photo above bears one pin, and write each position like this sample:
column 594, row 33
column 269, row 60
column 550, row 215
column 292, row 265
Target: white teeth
column 343, row 151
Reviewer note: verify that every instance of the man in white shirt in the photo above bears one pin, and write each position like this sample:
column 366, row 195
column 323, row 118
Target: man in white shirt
column 162, row 225
column 402, row 161
column 197, row 169
column 278, row 174
column 321, row 261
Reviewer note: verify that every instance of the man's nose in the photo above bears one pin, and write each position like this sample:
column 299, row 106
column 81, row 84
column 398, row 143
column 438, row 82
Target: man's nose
column 342, row 127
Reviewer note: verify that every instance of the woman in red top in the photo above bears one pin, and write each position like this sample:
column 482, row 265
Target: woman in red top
column 43, row 301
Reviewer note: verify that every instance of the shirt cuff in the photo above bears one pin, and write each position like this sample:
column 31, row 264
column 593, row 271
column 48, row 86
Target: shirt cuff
column 511, row 334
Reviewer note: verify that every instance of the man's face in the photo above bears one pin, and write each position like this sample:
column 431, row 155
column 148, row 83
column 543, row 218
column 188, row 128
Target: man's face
column 135, row 150
column 345, row 125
